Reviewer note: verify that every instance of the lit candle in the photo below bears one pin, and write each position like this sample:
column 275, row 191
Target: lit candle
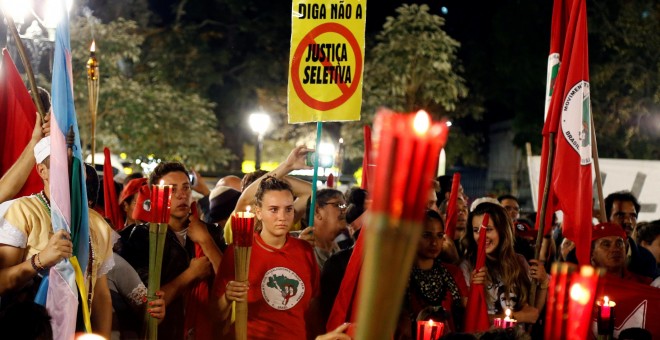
column 429, row 330
column 242, row 227
column 508, row 321
column 605, row 310
column 160, row 202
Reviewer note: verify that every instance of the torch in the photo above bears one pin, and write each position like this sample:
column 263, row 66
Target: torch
column 160, row 214
column 407, row 153
column 242, row 226
column 93, row 88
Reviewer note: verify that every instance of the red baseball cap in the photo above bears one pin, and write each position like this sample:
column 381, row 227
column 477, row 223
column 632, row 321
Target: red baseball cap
column 607, row 229
column 131, row 188
column 142, row 210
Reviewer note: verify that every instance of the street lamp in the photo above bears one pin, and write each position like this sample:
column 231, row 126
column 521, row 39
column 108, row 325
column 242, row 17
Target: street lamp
column 259, row 123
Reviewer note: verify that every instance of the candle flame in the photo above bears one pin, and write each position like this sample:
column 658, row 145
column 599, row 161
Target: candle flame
column 422, row 122
column 580, row 294
column 247, row 209
column 93, row 47
column 508, row 313
column 606, row 301
column 431, row 322
column 162, row 182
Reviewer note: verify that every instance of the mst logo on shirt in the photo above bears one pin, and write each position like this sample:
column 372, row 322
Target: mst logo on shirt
column 282, row 288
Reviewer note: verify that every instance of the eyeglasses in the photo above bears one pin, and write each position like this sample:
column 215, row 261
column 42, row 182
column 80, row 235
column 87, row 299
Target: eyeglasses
column 338, row 205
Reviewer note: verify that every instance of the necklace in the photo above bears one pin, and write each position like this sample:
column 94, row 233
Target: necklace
column 44, row 200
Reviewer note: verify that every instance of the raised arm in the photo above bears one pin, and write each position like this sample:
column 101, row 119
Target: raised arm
column 14, row 179
column 295, row 161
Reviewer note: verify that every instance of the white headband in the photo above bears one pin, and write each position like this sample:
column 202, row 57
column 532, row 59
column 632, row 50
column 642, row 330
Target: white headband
column 42, row 149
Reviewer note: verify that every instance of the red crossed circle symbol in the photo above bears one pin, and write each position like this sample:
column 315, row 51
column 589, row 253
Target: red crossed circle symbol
column 347, row 91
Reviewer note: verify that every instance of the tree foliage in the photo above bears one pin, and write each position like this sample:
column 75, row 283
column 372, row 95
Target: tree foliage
column 413, row 66
column 625, row 69
column 138, row 113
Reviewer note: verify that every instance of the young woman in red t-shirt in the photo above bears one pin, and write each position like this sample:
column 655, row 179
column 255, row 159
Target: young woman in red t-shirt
column 283, row 277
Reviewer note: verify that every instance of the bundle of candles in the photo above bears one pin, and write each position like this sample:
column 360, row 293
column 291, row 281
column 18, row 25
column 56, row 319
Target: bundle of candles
column 430, row 330
column 605, row 318
column 407, row 154
column 507, row 322
column 572, row 293
column 160, row 215
column 242, row 228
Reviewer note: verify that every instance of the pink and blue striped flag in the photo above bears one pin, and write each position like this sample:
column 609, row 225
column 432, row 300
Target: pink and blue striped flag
column 68, row 197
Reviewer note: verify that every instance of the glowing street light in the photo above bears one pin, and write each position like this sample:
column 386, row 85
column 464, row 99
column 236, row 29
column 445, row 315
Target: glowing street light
column 259, row 123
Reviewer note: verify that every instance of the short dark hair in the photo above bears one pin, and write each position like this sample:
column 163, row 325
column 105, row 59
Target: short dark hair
column 621, row 196
column 507, row 197
column 271, row 183
column 647, row 231
column 251, row 177
column 165, row 168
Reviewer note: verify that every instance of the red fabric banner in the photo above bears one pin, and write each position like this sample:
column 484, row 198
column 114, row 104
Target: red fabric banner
column 452, row 214
column 476, row 309
column 17, row 118
column 111, row 204
column 637, row 305
column 569, row 118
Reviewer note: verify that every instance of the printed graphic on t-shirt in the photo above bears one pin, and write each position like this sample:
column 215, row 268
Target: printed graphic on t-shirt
column 282, row 288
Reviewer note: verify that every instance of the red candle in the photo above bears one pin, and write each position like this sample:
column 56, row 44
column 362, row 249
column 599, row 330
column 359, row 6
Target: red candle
column 605, row 309
column 242, row 228
column 429, row 330
column 160, row 203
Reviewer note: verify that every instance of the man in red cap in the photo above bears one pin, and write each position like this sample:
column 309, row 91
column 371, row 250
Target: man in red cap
column 608, row 250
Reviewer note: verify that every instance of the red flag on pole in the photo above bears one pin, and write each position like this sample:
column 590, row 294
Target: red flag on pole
column 111, row 204
column 366, row 158
column 17, row 118
column 344, row 309
column 452, row 215
column 569, row 117
column 477, row 310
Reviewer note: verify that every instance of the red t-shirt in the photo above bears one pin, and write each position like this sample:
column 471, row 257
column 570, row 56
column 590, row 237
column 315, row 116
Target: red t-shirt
column 282, row 284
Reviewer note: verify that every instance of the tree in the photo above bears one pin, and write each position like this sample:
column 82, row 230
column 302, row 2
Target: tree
column 137, row 114
column 624, row 52
column 413, row 66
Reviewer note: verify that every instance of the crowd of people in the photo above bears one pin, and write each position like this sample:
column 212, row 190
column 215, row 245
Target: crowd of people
column 296, row 270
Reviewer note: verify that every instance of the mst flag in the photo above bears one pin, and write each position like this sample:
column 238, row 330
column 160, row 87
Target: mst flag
column 68, row 199
column 476, row 309
column 569, row 119
column 17, row 118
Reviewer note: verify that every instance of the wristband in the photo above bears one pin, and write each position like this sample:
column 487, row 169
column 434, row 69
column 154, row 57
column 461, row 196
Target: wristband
column 38, row 268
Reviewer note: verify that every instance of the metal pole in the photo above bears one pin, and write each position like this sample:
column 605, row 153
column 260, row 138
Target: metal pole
column 260, row 144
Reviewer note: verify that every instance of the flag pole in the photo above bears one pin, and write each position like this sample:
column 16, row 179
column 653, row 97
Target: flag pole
column 599, row 180
column 26, row 65
column 319, row 128
column 542, row 210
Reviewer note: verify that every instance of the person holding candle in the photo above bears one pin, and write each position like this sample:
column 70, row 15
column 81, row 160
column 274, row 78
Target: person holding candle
column 302, row 190
column 180, row 269
column 283, row 277
column 506, row 275
column 432, row 283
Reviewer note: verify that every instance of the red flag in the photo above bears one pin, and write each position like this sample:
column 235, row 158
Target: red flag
column 366, row 158
column 17, row 118
column 569, row 117
column 330, row 183
column 198, row 299
column 110, row 195
column 345, row 308
column 452, row 215
column 477, row 310
column 637, row 305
